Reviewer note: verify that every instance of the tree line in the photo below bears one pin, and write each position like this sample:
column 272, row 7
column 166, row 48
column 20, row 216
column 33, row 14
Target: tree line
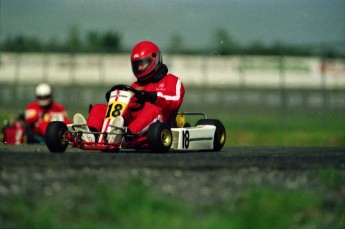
column 93, row 41
column 111, row 42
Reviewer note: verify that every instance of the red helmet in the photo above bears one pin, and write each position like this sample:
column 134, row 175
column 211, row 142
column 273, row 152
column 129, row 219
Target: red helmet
column 146, row 60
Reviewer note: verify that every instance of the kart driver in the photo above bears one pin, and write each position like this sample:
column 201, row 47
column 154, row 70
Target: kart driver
column 161, row 92
column 40, row 112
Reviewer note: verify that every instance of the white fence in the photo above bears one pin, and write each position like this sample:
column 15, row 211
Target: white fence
column 199, row 71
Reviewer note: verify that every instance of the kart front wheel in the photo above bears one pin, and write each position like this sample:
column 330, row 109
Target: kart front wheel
column 159, row 137
column 219, row 134
column 56, row 137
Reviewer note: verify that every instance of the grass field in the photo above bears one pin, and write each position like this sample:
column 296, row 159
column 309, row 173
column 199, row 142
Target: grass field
column 293, row 129
column 104, row 206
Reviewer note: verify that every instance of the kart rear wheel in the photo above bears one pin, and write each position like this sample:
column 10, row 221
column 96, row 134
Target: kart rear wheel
column 219, row 134
column 56, row 137
column 159, row 137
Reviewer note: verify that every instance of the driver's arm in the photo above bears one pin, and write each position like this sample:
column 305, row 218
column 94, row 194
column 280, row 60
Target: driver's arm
column 172, row 97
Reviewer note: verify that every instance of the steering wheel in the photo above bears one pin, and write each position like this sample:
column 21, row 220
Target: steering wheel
column 131, row 89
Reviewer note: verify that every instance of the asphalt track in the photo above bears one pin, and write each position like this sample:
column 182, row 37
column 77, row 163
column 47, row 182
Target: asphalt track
column 288, row 158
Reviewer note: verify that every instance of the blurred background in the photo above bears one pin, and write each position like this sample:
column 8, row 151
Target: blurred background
column 272, row 71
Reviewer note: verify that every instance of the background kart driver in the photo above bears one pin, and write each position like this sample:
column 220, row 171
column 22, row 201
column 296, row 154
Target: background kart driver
column 40, row 112
column 161, row 92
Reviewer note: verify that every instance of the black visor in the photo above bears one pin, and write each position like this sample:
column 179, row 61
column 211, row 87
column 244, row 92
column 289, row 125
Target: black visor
column 139, row 66
column 43, row 97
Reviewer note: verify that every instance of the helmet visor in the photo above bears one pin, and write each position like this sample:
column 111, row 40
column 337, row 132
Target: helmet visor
column 44, row 102
column 43, row 97
column 140, row 66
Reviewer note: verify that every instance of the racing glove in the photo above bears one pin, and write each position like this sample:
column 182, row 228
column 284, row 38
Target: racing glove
column 146, row 96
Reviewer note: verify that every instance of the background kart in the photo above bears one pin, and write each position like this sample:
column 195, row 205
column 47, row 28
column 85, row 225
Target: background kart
column 207, row 134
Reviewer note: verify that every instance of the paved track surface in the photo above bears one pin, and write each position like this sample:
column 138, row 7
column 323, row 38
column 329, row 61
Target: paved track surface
column 230, row 158
column 197, row 178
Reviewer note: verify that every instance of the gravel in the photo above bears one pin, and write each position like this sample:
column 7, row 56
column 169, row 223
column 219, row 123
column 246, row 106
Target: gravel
column 198, row 179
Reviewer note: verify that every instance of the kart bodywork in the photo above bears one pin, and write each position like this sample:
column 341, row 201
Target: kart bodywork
column 207, row 134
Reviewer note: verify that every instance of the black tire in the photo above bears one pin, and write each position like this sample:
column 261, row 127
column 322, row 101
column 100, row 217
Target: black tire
column 56, row 137
column 159, row 137
column 219, row 134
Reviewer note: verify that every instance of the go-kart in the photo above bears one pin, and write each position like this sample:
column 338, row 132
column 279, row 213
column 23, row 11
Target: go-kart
column 207, row 134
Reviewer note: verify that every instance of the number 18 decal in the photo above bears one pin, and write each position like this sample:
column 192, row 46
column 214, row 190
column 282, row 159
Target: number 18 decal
column 114, row 111
column 185, row 139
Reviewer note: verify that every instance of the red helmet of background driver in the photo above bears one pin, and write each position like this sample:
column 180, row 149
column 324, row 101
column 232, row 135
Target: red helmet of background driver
column 146, row 60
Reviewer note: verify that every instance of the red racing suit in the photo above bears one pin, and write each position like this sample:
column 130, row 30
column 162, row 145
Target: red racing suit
column 38, row 117
column 170, row 92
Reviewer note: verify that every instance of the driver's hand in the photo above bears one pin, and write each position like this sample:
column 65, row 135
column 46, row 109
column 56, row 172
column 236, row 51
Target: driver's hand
column 134, row 103
column 146, row 96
